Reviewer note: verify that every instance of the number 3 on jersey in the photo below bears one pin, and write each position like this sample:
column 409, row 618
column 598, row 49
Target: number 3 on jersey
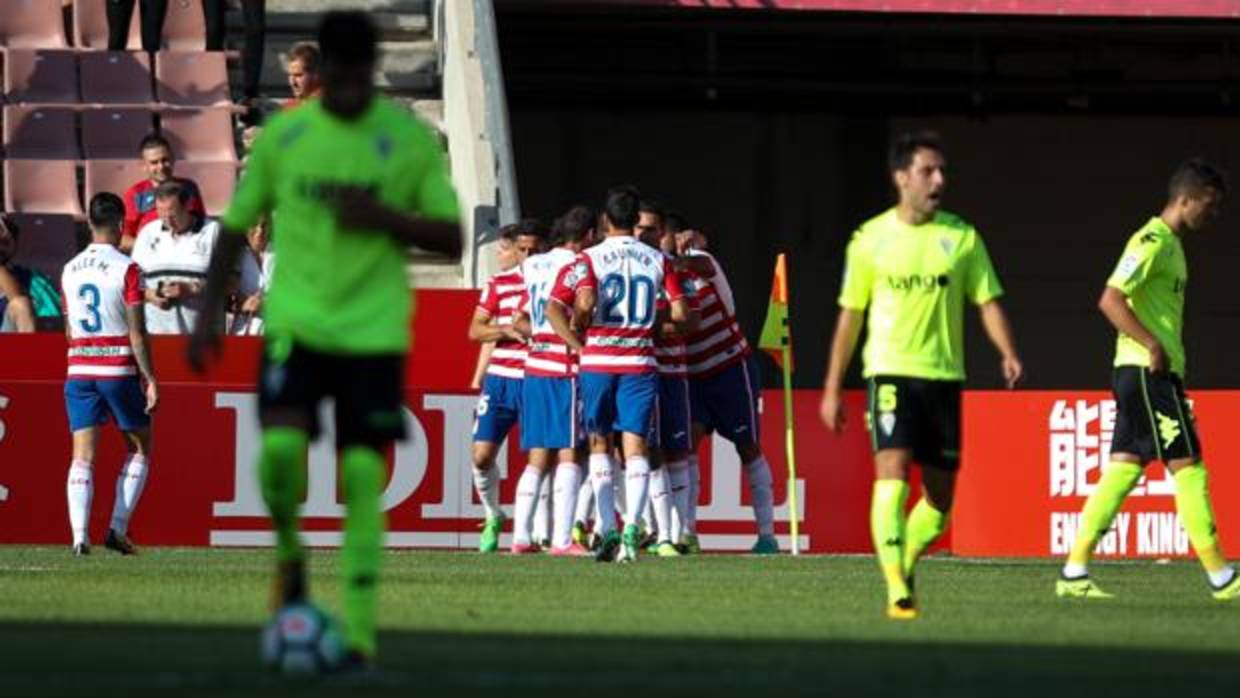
column 638, row 291
column 89, row 293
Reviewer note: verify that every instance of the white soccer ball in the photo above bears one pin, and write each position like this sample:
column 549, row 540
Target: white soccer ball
column 302, row 640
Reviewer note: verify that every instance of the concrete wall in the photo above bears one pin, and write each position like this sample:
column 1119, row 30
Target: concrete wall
column 1054, row 196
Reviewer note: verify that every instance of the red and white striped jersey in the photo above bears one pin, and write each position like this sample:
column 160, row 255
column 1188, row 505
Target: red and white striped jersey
column 629, row 277
column 718, row 341
column 548, row 354
column 499, row 301
column 671, row 350
column 97, row 285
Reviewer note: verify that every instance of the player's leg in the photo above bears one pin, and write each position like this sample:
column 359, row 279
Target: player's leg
column 584, row 508
column 938, row 450
column 127, row 403
column 491, row 425
column 598, row 399
column 542, row 513
column 565, row 437
column 893, row 435
column 675, row 440
column 700, row 427
column 734, row 396
column 1133, row 444
column 85, row 409
column 636, row 404
column 526, row 502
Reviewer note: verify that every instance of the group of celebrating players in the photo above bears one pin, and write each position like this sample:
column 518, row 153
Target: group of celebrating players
column 614, row 335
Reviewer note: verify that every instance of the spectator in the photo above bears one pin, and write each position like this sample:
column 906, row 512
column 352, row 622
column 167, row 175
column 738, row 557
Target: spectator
column 173, row 252
column 156, row 154
column 303, row 73
column 257, row 264
column 36, row 290
column 151, row 16
column 254, row 13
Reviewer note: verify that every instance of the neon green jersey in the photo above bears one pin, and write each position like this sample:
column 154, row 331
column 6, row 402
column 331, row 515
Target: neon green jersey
column 1153, row 273
column 335, row 289
column 914, row 280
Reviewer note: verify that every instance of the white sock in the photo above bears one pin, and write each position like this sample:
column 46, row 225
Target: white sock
column 486, row 482
column 1073, row 571
column 1222, row 577
column 621, row 494
column 542, row 511
column 80, row 490
column 695, row 491
column 585, row 503
column 760, row 480
column 636, row 489
column 567, row 482
column 601, row 479
column 129, row 484
column 523, row 509
column 678, row 483
column 661, row 503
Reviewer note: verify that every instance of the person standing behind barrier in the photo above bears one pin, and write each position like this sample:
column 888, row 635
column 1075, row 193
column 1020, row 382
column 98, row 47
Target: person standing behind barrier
column 151, row 17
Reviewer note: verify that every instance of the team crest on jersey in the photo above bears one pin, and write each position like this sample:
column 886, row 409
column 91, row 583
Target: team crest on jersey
column 575, row 274
column 947, row 245
column 887, row 422
column 1127, row 266
column 383, row 145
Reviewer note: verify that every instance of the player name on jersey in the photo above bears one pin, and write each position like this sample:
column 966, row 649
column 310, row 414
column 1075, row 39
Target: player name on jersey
column 98, row 284
column 500, row 299
column 548, row 355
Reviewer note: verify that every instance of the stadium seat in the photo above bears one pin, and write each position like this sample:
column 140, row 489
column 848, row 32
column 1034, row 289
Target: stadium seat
column 216, row 181
column 192, row 78
column 112, row 175
column 41, row 186
column 40, row 77
column 204, row 135
column 114, row 133
column 48, row 242
column 32, row 24
column 115, row 77
column 90, row 26
column 185, row 27
column 40, row 133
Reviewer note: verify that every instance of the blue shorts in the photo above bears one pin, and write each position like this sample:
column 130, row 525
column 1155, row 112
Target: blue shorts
column 551, row 413
column 499, row 407
column 619, row 402
column 89, row 402
column 727, row 403
column 673, row 431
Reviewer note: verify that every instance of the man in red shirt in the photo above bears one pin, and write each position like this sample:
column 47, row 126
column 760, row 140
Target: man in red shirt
column 157, row 158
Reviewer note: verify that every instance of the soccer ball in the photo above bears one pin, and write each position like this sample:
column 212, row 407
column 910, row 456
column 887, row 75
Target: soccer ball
column 302, row 640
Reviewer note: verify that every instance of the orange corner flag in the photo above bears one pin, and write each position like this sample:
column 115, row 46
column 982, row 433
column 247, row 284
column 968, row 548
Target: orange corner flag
column 776, row 338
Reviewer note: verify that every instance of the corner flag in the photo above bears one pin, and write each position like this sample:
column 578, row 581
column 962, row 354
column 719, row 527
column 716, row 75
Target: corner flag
column 776, row 340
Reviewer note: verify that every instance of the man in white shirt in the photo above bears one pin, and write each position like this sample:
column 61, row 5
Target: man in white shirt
column 173, row 252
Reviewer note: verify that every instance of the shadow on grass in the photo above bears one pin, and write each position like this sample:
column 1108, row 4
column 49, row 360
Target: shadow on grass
column 46, row 660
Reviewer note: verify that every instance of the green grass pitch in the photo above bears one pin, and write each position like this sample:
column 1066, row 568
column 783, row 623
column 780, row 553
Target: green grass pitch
column 185, row 622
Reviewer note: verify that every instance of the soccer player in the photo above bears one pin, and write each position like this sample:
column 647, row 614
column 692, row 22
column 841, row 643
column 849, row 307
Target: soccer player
column 352, row 180
column 157, row 158
column 611, row 290
column 1144, row 301
column 499, row 404
column 551, row 406
column 109, row 362
column 913, row 266
column 724, row 389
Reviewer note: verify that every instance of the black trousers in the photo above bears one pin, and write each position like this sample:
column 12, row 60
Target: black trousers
column 152, row 18
column 254, row 13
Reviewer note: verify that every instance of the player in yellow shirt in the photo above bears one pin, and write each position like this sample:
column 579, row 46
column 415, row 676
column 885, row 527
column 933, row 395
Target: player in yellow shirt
column 351, row 180
column 910, row 271
column 1144, row 301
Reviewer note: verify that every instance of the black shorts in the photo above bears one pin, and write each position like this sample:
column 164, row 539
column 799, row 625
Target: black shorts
column 917, row 414
column 1152, row 416
column 368, row 391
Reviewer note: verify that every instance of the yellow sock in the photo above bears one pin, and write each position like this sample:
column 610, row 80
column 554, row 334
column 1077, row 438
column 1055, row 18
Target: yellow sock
column 887, row 528
column 925, row 525
column 1192, row 501
column 1117, row 481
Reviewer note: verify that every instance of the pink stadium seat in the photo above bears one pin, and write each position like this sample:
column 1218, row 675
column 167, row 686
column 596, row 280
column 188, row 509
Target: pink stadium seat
column 32, row 24
column 112, row 175
column 90, row 26
column 40, row 133
column 114, row 133
column 192, row 78
column 204, row 135
column 41, row 186
column 185, row 28
column 115, row 77
column 48, row 242
column 216, row 181
column 40, row 77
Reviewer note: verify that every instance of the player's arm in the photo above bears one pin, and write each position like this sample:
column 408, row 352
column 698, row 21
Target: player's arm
column 139, row 340
column 854, row 298
column 999, row 330
column 1114, row 306
column 521, row 325
column 357, row 208
column 481, row 329
column 696, row 264
column 20, row 309
column 480, row 367
column 558, row 317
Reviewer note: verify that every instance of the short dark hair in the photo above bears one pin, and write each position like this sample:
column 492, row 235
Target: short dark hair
column 173, row 189
column 622, row 206
column 107, row 211
column 154, row 140
column 904, row 147
column 508, row 232
column 348, row 38
column 675, row 222
column 307, row 53
column 573, row 225
column 1194, row 176
column 652, row 207
column 11, row 225
column 532, row 227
